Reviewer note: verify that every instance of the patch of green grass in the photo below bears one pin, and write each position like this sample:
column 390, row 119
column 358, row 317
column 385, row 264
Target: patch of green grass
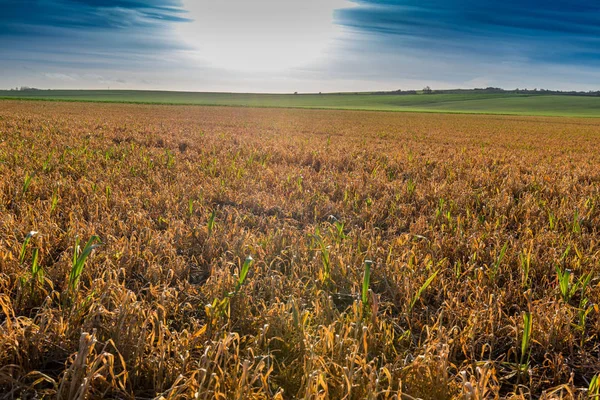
column 484, row 103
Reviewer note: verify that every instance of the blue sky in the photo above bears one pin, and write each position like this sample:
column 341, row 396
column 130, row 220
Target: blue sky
column 290, row 45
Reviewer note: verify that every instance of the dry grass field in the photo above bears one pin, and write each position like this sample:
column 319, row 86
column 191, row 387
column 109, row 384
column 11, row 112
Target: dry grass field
column 394, row 255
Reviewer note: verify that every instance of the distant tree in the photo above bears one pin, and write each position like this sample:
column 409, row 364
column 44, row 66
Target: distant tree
column 295, row 92
column 427, row 90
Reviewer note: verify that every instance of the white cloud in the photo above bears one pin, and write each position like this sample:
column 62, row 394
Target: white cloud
column 59, row 77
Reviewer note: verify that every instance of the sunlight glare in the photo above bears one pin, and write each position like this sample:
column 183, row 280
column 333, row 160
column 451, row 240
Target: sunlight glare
column 262, row 35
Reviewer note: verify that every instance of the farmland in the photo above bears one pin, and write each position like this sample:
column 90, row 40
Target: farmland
column 152, row 251
column 467, row 102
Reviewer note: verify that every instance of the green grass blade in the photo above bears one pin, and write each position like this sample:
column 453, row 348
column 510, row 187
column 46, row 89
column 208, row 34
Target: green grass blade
column 35, row 268
column 366, row 282
column 24, row 245
column 422, row 289
column 526, row 338
column 27, row 182
column 244, row 273
column 564, row 278
column 79, row 260
column 594, row 388
column 211, row 222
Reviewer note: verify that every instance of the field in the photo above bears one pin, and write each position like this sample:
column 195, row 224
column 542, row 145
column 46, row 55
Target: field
column 393, row 255
column 469, row 102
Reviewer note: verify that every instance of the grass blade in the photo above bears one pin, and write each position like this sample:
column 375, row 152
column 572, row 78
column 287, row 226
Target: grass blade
column 24, row 245
column 526, row 338
column 366, row 282
column 594, row 388
column 244, row 273
column 422, row 289
column 79, row 260
column 211, row 222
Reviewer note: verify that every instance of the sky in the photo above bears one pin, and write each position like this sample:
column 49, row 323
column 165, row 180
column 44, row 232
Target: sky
column 299, row 45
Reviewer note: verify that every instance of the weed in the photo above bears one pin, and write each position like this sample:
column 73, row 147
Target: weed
column 339, row 230
column 526, row 341
column 243, row 273
column 326, row 272
column 24, row 245
column 422, row 289
column 366, row 283
column 210, row 226
column 27, row 183
column 37, row 272
column 79, row 258
column 411, row 187
column 220, row 307
column 551, row 220
column 190, row 207
column 525, row 264
column 594, row 388
column 576, row 227
column 498, row 262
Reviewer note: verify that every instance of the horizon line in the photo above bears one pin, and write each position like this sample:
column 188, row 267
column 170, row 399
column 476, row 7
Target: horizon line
column 390, row 91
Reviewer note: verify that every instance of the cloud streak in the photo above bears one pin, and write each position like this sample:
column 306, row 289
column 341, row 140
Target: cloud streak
column 19, row 15
column 558, row 31
column 117, row 32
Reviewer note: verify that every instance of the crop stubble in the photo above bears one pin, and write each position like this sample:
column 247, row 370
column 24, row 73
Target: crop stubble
column 497, row 207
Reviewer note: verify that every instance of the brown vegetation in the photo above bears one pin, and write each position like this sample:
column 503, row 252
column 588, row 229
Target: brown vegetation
column 480, row 229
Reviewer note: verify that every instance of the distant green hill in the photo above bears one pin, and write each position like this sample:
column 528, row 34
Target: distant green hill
column 450, row 102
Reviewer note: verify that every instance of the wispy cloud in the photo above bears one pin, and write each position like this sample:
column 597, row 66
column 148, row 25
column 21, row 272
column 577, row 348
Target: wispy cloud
column 18, row 15
column 557, row 31
column 120, row 30
column 59, row 76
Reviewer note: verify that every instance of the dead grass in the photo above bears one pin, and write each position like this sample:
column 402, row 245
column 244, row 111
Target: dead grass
column 493, row 205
